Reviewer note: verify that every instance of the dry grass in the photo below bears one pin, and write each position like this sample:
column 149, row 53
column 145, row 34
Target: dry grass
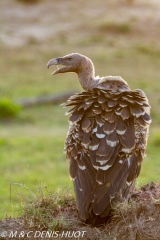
column 114, row 27
column 140, row 218
column 51, row 211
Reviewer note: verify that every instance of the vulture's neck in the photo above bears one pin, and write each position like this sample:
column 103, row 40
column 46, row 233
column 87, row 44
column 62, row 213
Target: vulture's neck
column 87, row 78
column 88, row 82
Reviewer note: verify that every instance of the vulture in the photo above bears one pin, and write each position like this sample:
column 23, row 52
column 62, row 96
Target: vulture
column 107, row 138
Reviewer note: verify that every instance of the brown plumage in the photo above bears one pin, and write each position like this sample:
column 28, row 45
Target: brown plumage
column 107, row 137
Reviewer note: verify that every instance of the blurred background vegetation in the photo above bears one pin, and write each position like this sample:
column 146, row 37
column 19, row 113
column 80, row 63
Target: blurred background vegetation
column 121, row 37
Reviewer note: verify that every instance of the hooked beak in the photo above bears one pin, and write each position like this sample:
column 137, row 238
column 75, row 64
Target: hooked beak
column 57, row 61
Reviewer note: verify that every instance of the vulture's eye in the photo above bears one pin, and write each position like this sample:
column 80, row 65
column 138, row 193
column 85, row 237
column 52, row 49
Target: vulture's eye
column 69, row 59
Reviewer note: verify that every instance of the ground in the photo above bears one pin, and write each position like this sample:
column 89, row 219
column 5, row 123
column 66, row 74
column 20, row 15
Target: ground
column 137, row 218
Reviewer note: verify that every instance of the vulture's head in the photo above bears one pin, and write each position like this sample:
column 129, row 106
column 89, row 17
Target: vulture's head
column 79, row 64
column 73, row 62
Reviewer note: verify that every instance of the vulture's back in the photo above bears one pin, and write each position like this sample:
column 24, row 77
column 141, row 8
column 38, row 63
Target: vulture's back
column 106, row 144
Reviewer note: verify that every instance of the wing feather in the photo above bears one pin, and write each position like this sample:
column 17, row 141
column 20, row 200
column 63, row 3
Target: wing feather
column 128, row 138
column 102, row 146
column 73, row 168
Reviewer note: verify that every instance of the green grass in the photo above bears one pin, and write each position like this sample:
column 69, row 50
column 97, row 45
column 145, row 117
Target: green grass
column 31, row 145
column 151, row 167
column 31, row 151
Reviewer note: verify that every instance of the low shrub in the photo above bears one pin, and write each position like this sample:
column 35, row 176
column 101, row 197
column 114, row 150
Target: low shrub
column 8, row 109
column 28, row 1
